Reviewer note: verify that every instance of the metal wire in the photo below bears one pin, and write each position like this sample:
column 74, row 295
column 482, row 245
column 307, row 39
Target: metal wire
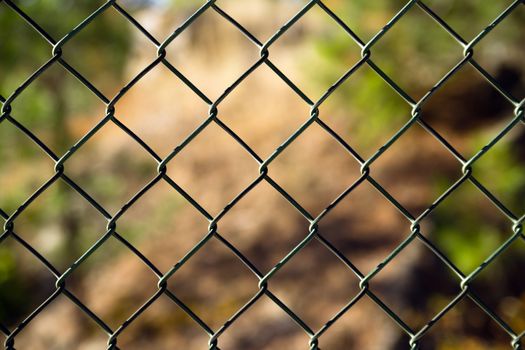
column 8, row 115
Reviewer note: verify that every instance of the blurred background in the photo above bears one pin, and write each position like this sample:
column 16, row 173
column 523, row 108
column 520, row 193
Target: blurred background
column 213, row 168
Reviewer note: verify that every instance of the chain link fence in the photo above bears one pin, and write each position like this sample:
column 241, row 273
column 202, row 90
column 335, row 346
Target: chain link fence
column 56, row 45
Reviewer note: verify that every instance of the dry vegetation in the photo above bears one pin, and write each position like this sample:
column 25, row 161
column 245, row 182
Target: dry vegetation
column 263, row 225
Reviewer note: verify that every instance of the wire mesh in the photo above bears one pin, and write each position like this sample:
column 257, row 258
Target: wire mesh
column 515, row 232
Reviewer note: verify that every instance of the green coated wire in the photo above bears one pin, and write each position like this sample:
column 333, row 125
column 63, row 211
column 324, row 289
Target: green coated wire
column 8, row 115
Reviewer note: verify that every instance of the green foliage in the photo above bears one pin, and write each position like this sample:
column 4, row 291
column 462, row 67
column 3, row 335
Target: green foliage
column 12, row 286
column 99, row 52
column 404, row 49
column 465, row 228
column 501, row 170
column 101, row 49
column 469, row 229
